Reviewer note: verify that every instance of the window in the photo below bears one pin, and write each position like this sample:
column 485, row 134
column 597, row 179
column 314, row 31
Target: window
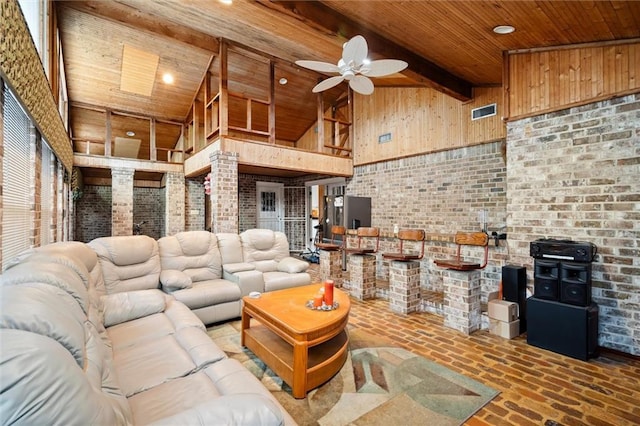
column 16, row 185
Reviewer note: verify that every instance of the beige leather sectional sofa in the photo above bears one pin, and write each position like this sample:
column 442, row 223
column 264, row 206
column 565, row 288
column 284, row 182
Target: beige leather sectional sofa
column 87, row 335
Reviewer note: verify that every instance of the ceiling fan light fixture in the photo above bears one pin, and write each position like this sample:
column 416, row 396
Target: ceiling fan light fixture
column 352, row 67
column 503, row 29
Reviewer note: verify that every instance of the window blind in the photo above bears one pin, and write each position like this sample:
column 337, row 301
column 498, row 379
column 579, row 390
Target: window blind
column 46, row 194
column 16, row 213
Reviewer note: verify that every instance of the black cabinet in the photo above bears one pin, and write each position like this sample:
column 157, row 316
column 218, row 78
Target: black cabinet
column 563, row 328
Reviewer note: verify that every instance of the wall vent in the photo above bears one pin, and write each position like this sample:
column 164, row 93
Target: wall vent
column 482, row 112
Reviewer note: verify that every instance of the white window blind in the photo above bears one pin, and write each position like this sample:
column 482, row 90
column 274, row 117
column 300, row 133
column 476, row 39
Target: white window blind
column 16, row 214
column 46, row 195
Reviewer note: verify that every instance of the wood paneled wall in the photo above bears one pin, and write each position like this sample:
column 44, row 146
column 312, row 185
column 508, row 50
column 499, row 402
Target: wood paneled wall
column 420, row 121
column 546, row 80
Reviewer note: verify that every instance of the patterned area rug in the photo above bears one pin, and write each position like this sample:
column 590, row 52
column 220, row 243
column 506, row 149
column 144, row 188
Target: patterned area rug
column 378, row 385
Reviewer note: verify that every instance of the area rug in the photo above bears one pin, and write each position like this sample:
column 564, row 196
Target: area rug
column 379, row 385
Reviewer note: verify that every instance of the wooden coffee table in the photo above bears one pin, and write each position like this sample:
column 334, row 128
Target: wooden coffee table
column 305, row 347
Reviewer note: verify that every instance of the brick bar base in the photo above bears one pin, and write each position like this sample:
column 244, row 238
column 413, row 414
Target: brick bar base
column 362, row 276
column 404, row 286
column 462, row 300
column 331, row 266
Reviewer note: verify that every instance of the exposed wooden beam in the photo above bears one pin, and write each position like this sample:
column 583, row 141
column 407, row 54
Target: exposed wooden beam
column 319, row 16
column 134, row 18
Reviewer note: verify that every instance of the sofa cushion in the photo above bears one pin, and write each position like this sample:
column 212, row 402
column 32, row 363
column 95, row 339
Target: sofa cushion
column 45, row 310
column 292, row 265
column 195, row 253
column 140, row 330
column 122, row 307
column 233, row 268
column 143, row 366
column 241, row 409
column 41, row 383
column 264, row 244
column 168, row 399
column 230, row 247
column 281, row 280
column 207, row 293
column 52, row 271
column 172, row 279
column 266, row 265
column 128, row 262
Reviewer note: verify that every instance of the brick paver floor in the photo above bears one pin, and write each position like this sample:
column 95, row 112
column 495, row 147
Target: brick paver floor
column 538, row 387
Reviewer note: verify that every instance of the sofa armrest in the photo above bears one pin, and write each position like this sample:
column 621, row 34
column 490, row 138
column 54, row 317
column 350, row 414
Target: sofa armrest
column 239, row 409
column 130, row 305
column 173, row 279
column 232, row 268
column 248, row 281
column 292, row 265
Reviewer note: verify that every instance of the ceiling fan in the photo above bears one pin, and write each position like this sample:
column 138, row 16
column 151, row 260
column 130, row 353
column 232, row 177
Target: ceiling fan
column 354, row 67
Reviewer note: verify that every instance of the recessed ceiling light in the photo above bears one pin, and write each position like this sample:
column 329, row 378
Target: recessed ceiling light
column 167, row 78
column 504, row 29
column 226, row 1
column 131, row 133
column 283, row 81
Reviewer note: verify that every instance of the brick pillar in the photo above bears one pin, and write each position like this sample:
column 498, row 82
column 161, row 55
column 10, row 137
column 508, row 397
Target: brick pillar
column 224, row 191
column 462, row 300
column 404, row 286
column 194, row 205
column 362, row 276
column 174, row 203
column 121, row 201
column 331, row 266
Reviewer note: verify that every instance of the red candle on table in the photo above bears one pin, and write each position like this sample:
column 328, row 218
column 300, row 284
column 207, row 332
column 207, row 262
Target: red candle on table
column 317, row 300
column 328, row 292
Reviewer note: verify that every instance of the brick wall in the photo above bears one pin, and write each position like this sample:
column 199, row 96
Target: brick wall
column 93, row 213
column 147, row 207
column 294, row 206
column 440, row 193
column 575, row 174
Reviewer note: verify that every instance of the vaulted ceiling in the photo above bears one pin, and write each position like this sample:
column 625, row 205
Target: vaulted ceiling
column 115, row 52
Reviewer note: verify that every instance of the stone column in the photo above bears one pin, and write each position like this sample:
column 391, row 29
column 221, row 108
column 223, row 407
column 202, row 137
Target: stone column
column 224, row 191
column 404, row 286
column 462, row 300
column 331, row 266
column 122, row 201
column 362, row 276
column 174, row 203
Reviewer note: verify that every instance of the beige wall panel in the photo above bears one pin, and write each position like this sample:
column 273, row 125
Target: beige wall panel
column 421, row 120
column 549, row 80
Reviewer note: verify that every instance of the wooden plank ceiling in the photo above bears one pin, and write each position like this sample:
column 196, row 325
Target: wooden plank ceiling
column 449, row 45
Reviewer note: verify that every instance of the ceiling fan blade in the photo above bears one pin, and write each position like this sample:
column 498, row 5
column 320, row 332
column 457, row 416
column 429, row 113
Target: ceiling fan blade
column 384, row 67
column 361, row 84
column 328, row 83
column 355, row 50
column 318, row 66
